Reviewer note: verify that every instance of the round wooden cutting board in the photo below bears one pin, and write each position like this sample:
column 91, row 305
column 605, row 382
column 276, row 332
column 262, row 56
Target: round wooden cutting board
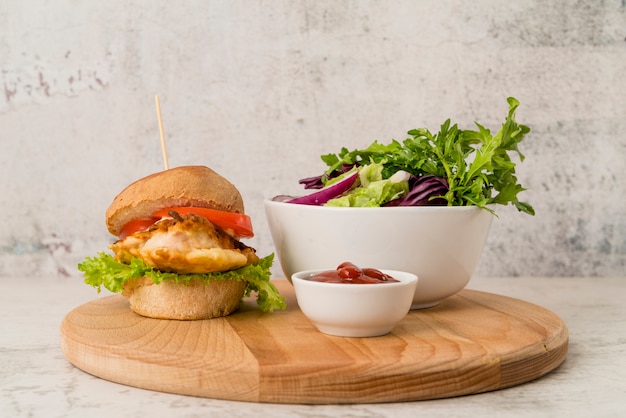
column 470, row 343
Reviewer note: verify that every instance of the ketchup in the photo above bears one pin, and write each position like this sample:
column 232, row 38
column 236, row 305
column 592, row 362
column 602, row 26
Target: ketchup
column 349, row 273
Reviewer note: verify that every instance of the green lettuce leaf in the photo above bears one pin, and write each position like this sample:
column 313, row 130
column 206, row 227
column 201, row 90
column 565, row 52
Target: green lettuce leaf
column 104, row 270
column 374, row 190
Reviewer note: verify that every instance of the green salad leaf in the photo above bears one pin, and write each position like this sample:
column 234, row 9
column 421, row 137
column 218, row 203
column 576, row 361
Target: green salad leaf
column 104, row 270
column 373, row 189
column 476, row 164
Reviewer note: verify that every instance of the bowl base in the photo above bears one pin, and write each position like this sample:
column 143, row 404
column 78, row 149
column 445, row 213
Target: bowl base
column 354, row 333
column 424, row 305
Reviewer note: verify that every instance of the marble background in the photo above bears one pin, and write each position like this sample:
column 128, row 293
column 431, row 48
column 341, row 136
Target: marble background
column 258, row 90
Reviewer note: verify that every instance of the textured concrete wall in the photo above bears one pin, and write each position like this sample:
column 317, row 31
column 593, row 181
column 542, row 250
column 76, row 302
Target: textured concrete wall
column 258, row 90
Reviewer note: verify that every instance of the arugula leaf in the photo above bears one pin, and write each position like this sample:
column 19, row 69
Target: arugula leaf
column 104, row 270
column 476, row 164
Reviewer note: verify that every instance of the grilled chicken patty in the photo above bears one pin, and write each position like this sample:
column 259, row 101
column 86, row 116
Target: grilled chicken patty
column 185, row 244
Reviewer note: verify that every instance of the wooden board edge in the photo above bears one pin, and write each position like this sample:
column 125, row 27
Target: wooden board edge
column 89, row 358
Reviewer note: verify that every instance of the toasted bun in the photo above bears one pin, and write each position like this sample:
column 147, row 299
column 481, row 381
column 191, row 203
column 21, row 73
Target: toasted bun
column 196, row 186
column 196, row 300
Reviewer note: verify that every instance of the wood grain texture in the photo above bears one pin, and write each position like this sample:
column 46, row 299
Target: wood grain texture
column 470, row 343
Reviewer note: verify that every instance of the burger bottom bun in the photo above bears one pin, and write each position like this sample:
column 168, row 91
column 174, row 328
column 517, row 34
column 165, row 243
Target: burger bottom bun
column 196, row 300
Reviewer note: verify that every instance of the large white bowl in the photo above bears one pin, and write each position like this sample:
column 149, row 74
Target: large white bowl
column 354, row 310
column 440, row 244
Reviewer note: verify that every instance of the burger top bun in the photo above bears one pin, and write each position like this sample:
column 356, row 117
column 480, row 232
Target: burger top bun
column 196, row 186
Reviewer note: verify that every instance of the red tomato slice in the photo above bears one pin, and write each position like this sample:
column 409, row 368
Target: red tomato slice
column 136, row 226
column 239, row 223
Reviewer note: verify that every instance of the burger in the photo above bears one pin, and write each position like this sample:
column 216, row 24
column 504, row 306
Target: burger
column 178, row 252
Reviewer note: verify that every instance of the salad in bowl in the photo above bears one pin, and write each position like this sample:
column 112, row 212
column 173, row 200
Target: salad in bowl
column 423, row 205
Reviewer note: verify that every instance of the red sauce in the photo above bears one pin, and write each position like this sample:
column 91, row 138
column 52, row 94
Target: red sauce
column 349, row 273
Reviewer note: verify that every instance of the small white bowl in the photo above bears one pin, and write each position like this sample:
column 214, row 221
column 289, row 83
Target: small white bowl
column 354, row 310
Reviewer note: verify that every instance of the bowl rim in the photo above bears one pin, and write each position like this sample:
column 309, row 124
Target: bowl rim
column 407, row 278
column 270, row 202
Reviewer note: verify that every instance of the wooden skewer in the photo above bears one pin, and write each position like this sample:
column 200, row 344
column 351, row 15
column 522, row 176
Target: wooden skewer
column 163, row 148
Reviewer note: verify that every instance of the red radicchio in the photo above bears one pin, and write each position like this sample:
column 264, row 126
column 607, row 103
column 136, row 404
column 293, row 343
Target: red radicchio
column 421, row 189
column 326, row 193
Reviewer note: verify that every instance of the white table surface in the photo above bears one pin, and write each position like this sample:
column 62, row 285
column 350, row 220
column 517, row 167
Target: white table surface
column 37, row 381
